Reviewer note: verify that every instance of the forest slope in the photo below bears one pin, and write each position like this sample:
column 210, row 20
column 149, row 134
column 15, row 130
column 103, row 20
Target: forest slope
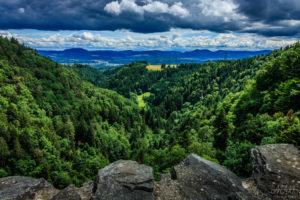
column 218, row 109
column 55, row 125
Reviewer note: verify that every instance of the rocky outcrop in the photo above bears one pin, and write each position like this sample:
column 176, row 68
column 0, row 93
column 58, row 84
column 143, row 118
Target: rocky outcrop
column 276, row 170
column 86, row 190
column 167, row 188
column 70, row 192
column 24, row 188
column 275, row 176
column 124, row 180
column 19, row 188
column 197, row 178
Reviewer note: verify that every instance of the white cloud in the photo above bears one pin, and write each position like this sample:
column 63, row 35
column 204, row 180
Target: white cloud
column 290, row 22
column 130, row 5
column 113, row 8
column 149, row 6
column 178, row 10
column 5, row 34
column 220, row 8
column 156, row 7
column 125, row 5
column 21, row 10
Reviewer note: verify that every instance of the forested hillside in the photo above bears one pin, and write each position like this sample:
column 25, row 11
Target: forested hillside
column 55, row 124
column 218, row 110
column 246, row 112
column 96, row 77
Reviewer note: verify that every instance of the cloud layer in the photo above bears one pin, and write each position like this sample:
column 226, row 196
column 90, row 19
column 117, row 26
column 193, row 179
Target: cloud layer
column 265, row 17
column 175, row 39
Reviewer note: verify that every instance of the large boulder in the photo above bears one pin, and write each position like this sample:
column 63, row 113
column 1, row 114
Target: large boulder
column 198, row 179
column 124, row 180
column 276, row 170
column 19, row 188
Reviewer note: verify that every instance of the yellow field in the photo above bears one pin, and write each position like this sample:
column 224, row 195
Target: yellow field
column 154, row 67
column 158, row 67
column 140, row 99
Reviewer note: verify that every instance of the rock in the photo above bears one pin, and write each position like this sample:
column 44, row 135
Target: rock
column 250, row 185
column 19, row 188
column 167, row 189
column 196, row 178
column 69, row 193
column 276, row 170
column 86, row 190
column 124, row 180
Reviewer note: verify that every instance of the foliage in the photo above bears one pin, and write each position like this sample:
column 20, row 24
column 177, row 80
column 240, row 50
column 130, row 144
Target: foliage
column 54, row 124
column 219, row 109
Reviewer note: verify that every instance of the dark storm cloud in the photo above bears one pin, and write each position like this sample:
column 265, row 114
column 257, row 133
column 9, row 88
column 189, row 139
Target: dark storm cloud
column 146, row 16
column 74, row 15
column 270, row 10
column 271, row 17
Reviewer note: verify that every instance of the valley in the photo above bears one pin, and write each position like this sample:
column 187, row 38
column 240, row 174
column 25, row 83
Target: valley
column 63, row 123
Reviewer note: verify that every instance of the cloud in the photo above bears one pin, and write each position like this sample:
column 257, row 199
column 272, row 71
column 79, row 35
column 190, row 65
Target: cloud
column 174, row 39
column 113, row 8
column 220, row 8
column 21, row 10
column 131, row 6
column 178, row 10
column 155, row 7
column 269, row 10
column 265, row 17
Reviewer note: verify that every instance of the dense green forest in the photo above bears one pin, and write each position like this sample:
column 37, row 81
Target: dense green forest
column 218, row 110
column 55, row 125
column 64, row 123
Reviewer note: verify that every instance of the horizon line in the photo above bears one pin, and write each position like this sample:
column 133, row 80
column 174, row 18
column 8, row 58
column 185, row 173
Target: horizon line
column 136, row 50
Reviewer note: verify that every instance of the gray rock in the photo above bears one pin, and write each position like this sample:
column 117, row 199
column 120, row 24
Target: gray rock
column 200, row 179
column 168, row 189
column 124, row 180
column 69, row 193
column 86, row 190
column 250, row 185
column 276, row 170
column 24, row 188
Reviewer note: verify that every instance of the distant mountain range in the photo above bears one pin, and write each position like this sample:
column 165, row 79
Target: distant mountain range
column 105, row 58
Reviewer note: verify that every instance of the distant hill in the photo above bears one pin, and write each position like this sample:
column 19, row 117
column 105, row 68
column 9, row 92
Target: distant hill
column 105, row 58
column 217, row 55
column 75, row 50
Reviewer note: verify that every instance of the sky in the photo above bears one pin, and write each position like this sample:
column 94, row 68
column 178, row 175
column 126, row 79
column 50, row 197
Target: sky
column 152, row 24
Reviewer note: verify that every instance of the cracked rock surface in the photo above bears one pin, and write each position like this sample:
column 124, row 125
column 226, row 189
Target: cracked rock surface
column 276, row 170
column 19, row 188
column 197, row 178
column 124, row 180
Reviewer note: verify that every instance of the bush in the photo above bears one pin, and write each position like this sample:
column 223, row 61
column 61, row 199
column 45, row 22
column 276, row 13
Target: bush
column 237, row 158
column 3, row 173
